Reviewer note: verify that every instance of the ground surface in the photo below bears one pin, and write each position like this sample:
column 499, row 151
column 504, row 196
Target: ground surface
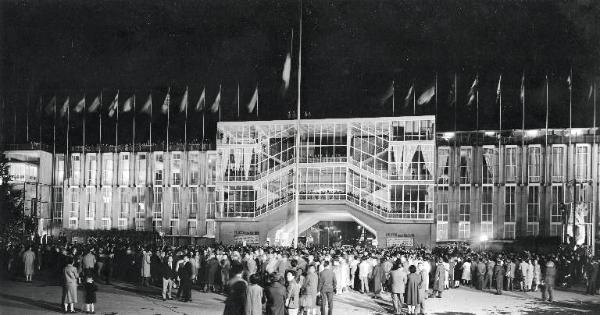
column 120, row 298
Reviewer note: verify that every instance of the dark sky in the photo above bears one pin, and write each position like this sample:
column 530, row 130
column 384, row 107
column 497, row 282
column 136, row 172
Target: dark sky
column 352, row 50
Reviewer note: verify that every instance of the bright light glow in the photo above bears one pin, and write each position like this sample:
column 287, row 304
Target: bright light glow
column 576, row 131
column 490, row 133
column 448, row 135
column 531, row 133
column 483, row 238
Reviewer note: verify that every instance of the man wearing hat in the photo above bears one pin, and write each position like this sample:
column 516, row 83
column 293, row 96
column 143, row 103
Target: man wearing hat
column 499, row 276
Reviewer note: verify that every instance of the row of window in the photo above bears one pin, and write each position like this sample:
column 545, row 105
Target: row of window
column 489, row 165
column 126, row 175
column 174, row 228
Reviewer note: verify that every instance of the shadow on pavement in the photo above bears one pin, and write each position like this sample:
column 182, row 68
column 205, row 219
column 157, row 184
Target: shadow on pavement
column 55, row 307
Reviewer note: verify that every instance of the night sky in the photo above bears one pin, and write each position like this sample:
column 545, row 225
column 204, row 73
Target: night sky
column 351, row 52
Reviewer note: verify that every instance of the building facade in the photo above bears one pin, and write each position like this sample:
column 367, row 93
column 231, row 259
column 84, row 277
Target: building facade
column 395, row 176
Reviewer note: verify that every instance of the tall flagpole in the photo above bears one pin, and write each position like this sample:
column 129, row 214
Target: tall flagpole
column 186, row 119
column 455, row 99
column 27, row 118
column 436, row 94
column 257, row 99
column 117, row 123
column 40, row 122
column 67, row 158
column 594, row 207
column 219, row 109
column 150, row 124
column 53, row 179
column 100, row 128
column 238, row 101
column 393, row 98
column 83, row 149
column 414, row 99
column 168, row 116
column 133, row 138
column 570, row 134
column 547, row 173
column 296, row 171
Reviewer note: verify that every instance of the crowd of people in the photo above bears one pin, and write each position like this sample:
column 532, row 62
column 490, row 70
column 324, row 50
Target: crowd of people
column 295, row 281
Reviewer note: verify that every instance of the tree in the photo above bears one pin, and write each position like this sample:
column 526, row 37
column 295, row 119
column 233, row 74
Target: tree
column 15, row 226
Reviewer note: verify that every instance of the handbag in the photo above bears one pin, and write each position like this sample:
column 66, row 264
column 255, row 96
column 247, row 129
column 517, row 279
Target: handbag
column 319, row 300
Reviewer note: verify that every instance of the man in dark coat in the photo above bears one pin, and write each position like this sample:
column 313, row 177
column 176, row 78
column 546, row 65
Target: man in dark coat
column 275, row 294
column 480, row 274
column 499, row 276
column 549, row 279
column 489, row 274
column 235, row 304
column 327, row 283
column 167, row 274
column 185, row 279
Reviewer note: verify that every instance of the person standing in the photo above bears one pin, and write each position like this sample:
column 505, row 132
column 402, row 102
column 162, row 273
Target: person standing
column 510, row 274
column 325, row 287
column 489, row 274
column 499, row 276
column 145, row 270
column 364, row 269
column 275, row 293
column 69, row 290
column 308, row 291
column 549, row 279
column 439, row 279
column 529, row 275
column 466, row 272
column 185, row 279
column 480, row 274
column 378, row 276
column 413, row 289
column 212, row 268
column 398, row 278
column 292, row 298
column 167, row 274
column 28, row 264
column 254, row 296
column 237, row 288
column 537, row 274
column 89, row 263
column 90, row 294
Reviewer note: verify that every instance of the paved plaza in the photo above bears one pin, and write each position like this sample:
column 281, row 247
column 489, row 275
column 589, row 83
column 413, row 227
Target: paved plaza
column 122, row 298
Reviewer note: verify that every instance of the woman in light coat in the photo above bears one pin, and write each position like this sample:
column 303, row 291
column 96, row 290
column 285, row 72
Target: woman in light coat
column 146, row 260
column 529, row 275
column 466, row 272
column 537, row 274
column 69, row 290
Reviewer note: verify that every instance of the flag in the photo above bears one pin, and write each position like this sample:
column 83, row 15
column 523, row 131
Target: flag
column 409, row 95
column 95, row 105
column 473, row 90
column 80, row 105
column 184, row 101
column 127, row 105
column 591, row 92
column 65, row 107
column 389, row 93
column 112, row 108
column 287, row 70
column 499, row 89
column 51, row 107
column 147, row 108
column 570, row 82
column 522, row 96
column 166, row 103
column 426, row 96
column 215, row 106
column 253, row 101
column 451, row 94
column 201, row 101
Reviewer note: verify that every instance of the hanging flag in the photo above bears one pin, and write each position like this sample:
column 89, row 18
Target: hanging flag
column 388, row 94
column 451, row 96
column 127, row 107
column 426, row 96
column 112, row 108
column 147, row 108
column 522, row 96
column 166, row 103
column 80, row 105
column 591, row 92
column 499, row 89
column 95, row 105
column 215, row 106
column 473, row 90
column 184, row 101
column 409, row 95
column 570, row 82
column 201, row 101
column 51, row 107
column 65, row 107
column 287, row 71
column 253, row 101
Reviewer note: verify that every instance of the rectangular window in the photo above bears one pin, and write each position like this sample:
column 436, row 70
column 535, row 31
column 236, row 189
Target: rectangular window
column 106, row 201
column 443, row 172
column 74, row 212
column 141, row 169
column 76, row 169
column 464, row 230
column 106, row 224
column 124, row 213
column 60, row 170
column 442, row 231
column 72, row 223
column 558, row 199
column 124, row 169
column 157, row 206
column 107, row 169
column 533, row 229
column 558, row 163
column 466, row 163
column 173, row 227
column 533, row 210
column 487, row 212
column 194, row 169
column 140, row 203
column 488, row 167
column 89, row 223
column 140, row 225
column 442, row 204
column 90, row 197
column 582, row 162
column 175, row 202
column 122, row 224
column 211, row 204
column 464, row 211
column 509, row 230
column 176, row 169
column 193, row 198
column 158, row 168
column 191, row 228
column 157, row 225
column 534, row 161
column 510, row 164
column 92, row 169
column 211, row 228
column 58, row 202
column 510, row 204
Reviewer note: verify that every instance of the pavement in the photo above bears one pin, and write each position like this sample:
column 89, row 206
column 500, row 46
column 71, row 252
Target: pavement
column 20, row 298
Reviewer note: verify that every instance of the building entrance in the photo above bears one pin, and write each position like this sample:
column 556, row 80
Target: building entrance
column 337, row 233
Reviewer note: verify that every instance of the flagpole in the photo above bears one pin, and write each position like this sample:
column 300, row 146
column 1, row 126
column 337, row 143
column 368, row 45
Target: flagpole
column 40, row 122
column 436, row 94
column 238, row 101
column 100, row 128
column 296, row 171
column 27, row 118
column 570, row 134
column 117, row 123
column 67, row 158
column 83, row 149
column 547, row 112
column 455, row 99
column 53, row 179
column 414, row 99
column 133, row 138
column 523, row 112
column 393, row 98
column 185, row 123
column 168, row 116
column 594, row 207
column 219, row 102
column 150, row 124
